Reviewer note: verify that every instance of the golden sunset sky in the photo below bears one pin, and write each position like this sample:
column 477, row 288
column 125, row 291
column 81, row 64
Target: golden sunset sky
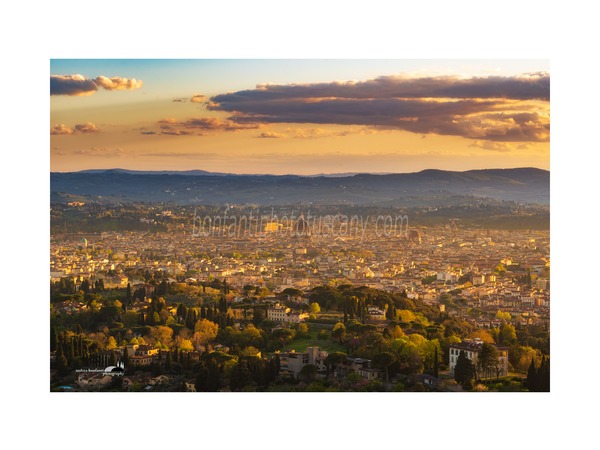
column 299, row 116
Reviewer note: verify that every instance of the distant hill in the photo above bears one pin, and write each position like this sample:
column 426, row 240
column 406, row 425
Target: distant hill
column 527, row 185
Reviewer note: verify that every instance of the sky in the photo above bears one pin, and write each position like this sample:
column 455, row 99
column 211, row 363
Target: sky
column 299, row 116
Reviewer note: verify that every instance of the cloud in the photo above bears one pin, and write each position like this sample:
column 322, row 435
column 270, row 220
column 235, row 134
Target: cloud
column 212, row 123
column 180, row 100
column 176, row 132
column 522, row 87
column 118, row 83
column 87, row 127
column 103, row 152
column 198, row 98
column 491, row 145
column 312, row 133
column 199, row 126
column 499, row 146
column 485, row 108
column 186, row 155
column 78, row 85
column 271, row 135
column 61, row 129
column 80, row 128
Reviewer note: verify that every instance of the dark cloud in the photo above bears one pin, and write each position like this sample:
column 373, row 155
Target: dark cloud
column 78, row 85
column 523, row 87
column 489, row 108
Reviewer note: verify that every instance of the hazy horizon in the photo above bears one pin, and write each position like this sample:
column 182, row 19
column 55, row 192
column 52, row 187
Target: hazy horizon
column 331, row 174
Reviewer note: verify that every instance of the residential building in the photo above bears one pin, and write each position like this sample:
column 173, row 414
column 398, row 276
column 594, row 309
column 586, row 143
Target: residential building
column 472, row 348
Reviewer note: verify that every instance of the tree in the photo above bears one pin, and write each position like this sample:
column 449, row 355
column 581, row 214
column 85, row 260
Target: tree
column 62, row 365
column 395, row 332
column 485, row 336
column 213, row 377
column 487, row 360
column 85, row 287
column 302, row 330
column 308, row 373
column 464, row 371
column 112, row 343
column 333, row 360
column 339, row 331
column 53, row 339
column 542, row 379
column 162, row 334
column 531, row 377
column 251, row 336
column 283, row 335
column 503, row 315
column 436, row 364
column 168, row 361
column 240, row 375
column 508, row 334
column 383, row 361
column 185, row 345
column 205, row 332
column 390, row 313
column 201, row 378
column 315, row 308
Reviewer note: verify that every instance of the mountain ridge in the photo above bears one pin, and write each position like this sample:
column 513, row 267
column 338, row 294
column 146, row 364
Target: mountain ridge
column 526, row 184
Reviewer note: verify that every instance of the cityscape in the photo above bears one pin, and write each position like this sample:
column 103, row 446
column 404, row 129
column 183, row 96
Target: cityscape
column 387, row 233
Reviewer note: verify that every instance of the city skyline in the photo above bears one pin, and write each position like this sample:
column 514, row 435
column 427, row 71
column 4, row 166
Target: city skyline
column 303, row 117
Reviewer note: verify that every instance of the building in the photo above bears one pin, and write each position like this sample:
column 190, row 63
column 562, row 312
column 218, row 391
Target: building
column 94, row 381
column 296, row 317
column 277, row 313
column 376, row 314
column 144, row 355
column 292, row 362
column 477, row 280
column 472, row 348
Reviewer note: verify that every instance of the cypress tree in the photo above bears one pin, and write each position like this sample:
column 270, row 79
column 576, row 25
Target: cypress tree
column 543, row 376
column 201, row 378
column 53, row 339
column 531, row 381
column 464, row 371
column 125, row 358
column 436, row 364
column 62, row 364
column 168, row 361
